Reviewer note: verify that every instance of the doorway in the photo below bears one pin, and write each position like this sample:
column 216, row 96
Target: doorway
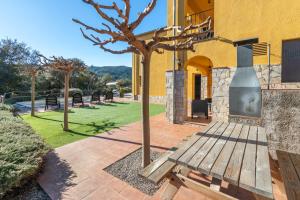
column 197, row 87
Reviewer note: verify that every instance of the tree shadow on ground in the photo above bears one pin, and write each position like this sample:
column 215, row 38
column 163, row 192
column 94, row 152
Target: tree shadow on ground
column 97, row 127
column 62, row 111
column 90, row 108
column 124, row 103
column 57, row 176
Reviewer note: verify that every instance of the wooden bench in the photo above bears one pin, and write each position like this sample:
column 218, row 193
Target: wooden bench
column 159, row 168
column 289, row 164
column 95, row 97
column 177, row 176
column 109, row 96
column 77, row 99
column 51, row 100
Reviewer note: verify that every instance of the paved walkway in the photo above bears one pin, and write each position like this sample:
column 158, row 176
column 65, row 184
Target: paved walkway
column 74, row 171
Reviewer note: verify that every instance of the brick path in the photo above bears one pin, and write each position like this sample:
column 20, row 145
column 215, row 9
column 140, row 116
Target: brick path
column 74, row 171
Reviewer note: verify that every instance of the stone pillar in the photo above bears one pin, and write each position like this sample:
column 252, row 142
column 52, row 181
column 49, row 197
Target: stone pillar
column 221, row 79
column 176, row 103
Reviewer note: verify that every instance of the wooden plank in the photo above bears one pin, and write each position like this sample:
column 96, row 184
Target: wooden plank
column 233, row 169
column 155, row 164
column 202, row 152
column 161, row 172
column 289, row 175
column 247, row 177
column 188, row 155
column 201, row 188
column 296, row 161
column 179, row 152
column 263, row 183
column 221, row 163
column 210, row 159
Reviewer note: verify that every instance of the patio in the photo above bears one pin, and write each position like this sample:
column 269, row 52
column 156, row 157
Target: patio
column 74, row 171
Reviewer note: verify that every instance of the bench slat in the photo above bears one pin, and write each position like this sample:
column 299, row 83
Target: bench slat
column 197, row 159
column 161, row 172
column 263, row 175
column 209, row 160
column 247, row 177
column 155, row 164
column 219, row 167
column 232, row 172
column 188, row 155
column 188, row 144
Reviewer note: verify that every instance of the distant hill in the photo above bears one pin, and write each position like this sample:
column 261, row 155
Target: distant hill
column 117, row 72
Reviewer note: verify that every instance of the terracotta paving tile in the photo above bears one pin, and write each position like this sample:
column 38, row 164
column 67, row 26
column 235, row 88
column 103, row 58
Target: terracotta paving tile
column 75, row 171
column 104, row 193
column 131, row 193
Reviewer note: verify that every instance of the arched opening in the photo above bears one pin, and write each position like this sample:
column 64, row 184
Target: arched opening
column 199, row 80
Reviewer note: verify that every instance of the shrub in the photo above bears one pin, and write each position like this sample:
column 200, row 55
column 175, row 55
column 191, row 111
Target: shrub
column 73, row 91
column 21, row 152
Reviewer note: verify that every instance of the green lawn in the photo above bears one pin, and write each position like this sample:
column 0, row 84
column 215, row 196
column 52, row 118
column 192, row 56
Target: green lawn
column 87, row 121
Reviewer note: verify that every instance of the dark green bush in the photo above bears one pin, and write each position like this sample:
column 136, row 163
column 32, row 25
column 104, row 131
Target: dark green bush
column 21, row 152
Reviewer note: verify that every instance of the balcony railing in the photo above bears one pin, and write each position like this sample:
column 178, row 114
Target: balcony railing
column 199, row 18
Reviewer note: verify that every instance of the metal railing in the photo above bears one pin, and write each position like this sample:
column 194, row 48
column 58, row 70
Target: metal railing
column 198, row 18
column 205, row 33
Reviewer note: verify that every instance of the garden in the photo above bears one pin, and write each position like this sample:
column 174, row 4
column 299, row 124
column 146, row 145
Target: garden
column 86, row 121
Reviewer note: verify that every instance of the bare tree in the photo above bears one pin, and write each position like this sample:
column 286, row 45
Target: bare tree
column 121, row 29
column 67, row 66
column 32, row 66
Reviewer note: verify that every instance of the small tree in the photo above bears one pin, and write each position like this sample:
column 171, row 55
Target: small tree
column 67, row 66
column 32, row 66
column 122, row 29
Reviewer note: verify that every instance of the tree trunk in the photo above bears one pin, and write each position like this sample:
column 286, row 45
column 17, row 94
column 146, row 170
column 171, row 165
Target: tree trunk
column 145, row 110
column 33, row 77
column 66, row 102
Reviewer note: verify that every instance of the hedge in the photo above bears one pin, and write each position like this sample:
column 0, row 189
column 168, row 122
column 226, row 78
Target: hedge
column 21, row 152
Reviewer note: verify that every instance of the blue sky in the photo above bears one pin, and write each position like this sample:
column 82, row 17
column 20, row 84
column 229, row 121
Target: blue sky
column 46, row 25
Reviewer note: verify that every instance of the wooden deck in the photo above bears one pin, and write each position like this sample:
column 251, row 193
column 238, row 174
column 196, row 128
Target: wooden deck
column 232, row 152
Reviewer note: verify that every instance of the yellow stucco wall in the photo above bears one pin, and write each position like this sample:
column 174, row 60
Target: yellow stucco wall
column 160, row 64
column 271, row 21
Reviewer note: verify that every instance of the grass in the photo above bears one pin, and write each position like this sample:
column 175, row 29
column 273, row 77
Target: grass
column 86, row 121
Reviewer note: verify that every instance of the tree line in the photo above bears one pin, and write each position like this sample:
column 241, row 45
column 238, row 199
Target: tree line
column 13, row 55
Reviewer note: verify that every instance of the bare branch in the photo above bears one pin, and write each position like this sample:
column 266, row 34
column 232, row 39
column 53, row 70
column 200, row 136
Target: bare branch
column 141, row 17
column 62, row 64
column 188, row 32
column 128, row 50
column 127, row 10
column 109, row 32
column 98, row 7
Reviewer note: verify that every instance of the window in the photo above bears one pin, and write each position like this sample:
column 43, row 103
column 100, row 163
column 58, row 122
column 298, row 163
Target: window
column 291, row 61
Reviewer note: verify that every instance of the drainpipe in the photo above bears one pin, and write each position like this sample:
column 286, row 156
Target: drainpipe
column 174, row 58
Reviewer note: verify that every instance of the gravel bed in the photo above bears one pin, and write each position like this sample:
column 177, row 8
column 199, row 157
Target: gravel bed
column 30, row 191
column 127, row 170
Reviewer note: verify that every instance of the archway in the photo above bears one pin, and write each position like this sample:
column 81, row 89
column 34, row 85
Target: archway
column 199, row 80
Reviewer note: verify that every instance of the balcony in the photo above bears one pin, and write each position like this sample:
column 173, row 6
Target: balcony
column 198, row 18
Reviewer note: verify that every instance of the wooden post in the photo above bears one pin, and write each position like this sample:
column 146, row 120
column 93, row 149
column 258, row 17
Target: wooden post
column 145, row 110
column 66, row 102
column 33, row 77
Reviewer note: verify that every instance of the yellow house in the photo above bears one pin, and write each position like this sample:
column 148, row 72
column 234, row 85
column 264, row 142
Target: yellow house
column 266, row 26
